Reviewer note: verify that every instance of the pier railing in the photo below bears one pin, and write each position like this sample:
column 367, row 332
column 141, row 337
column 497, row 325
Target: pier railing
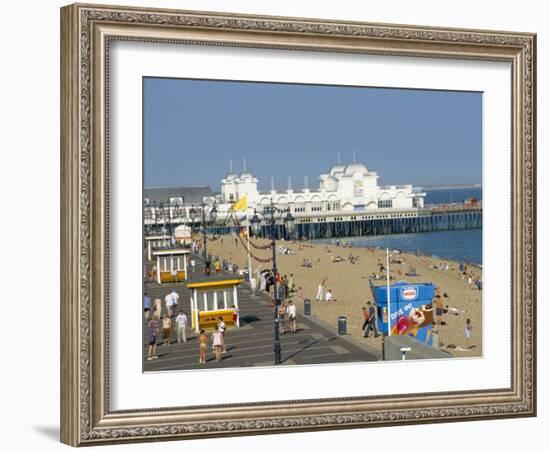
column 362, row 223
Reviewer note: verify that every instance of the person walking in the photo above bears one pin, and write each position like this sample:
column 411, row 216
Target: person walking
column 171, row 302
column 217, row 343
column 152, row 331
column 281, row 288
column 321, row 289
column 203, row 343
column 157, row 311
column 291, row 313
column 193, row 264
column 221, row 327
column 175, row 302
column 235, row 316
column 281, row 312
column 146, row 306
column 366, row 319
column 181, row 322
column 468, row 331
column 166, row 329
column 263, row 282
column 372, row 320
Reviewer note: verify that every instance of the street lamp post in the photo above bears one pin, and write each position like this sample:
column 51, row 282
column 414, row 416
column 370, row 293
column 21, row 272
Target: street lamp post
column 168, row 218
column 159, row 216
column 270, row 214
column 195, row 214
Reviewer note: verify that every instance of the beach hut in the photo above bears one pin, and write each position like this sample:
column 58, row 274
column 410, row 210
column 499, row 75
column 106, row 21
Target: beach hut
column 156, row 242
column 411, row 308
column 211, row 299
column 170, row 264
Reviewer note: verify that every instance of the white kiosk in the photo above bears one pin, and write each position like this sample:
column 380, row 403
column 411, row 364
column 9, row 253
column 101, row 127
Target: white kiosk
column 213, row 299
column 155, row 243
column 171, row 265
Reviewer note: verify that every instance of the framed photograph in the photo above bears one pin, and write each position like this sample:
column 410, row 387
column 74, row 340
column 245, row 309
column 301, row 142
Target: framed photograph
column 276, row 224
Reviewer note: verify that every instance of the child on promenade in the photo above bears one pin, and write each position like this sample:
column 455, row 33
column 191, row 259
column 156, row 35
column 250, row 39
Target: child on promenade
column 203, row 342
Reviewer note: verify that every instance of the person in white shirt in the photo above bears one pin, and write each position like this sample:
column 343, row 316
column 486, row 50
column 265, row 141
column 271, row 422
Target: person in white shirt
column 321, row 289
column 181, row 322
column 329, row 297
column 221, row 328
column 171, row 302
column 193, row 265
column 291, row 313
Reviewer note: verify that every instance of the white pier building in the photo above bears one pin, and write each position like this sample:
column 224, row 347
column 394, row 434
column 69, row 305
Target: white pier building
column 346, row 193
column 345, row 189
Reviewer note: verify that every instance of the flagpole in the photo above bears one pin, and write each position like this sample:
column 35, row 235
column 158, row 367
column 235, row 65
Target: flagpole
column 388, row 288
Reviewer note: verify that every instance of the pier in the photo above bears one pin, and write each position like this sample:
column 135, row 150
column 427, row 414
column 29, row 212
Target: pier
column 438, row 218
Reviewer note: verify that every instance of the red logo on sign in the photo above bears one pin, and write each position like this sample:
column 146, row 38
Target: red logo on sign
column 409, row 293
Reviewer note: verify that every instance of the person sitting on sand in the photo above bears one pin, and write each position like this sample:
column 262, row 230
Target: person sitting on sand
column 454, row 311
column 329, row 297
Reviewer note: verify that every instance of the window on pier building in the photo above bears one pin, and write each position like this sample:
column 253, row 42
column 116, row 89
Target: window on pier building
column 316, row 207
column 385, row 204
column 176, row 201
column 333, row 206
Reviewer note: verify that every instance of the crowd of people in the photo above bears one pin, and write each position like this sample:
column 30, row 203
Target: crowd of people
column 163, row 321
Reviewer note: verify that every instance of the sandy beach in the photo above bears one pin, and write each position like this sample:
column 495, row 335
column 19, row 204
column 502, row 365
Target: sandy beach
column 349, row 283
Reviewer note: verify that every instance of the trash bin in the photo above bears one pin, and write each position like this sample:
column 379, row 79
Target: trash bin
column 342, row 326
column 307, row 307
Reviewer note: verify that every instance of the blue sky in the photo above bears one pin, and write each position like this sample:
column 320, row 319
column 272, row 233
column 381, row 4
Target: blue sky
column 192, row 128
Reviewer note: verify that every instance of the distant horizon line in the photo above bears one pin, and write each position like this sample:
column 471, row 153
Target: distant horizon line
column 427, row 187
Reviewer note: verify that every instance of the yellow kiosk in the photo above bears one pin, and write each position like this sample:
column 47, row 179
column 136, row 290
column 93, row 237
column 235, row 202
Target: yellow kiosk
column 212, row 299
column 171, row 265
column 156, row 242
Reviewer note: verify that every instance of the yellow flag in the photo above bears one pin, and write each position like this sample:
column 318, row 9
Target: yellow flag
column 241, row 205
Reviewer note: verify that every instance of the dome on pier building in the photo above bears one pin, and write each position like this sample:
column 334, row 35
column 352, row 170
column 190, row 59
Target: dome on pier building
column 355, row 168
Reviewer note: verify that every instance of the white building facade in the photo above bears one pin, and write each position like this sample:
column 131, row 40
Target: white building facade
column 346, row 189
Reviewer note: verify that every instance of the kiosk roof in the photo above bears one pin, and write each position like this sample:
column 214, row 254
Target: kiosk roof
column 206, row 284
column 170, row 251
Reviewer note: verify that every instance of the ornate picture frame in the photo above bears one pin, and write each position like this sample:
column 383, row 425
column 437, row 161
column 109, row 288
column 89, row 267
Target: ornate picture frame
column 86, row 34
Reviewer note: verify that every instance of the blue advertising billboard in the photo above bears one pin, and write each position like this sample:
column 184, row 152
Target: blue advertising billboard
column 411, row 309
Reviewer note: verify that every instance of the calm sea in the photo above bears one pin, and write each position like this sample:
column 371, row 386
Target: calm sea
column 457, row 195
column 457, row 245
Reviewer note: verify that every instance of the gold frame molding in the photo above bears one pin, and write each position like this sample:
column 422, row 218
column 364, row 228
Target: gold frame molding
column 86, row 31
